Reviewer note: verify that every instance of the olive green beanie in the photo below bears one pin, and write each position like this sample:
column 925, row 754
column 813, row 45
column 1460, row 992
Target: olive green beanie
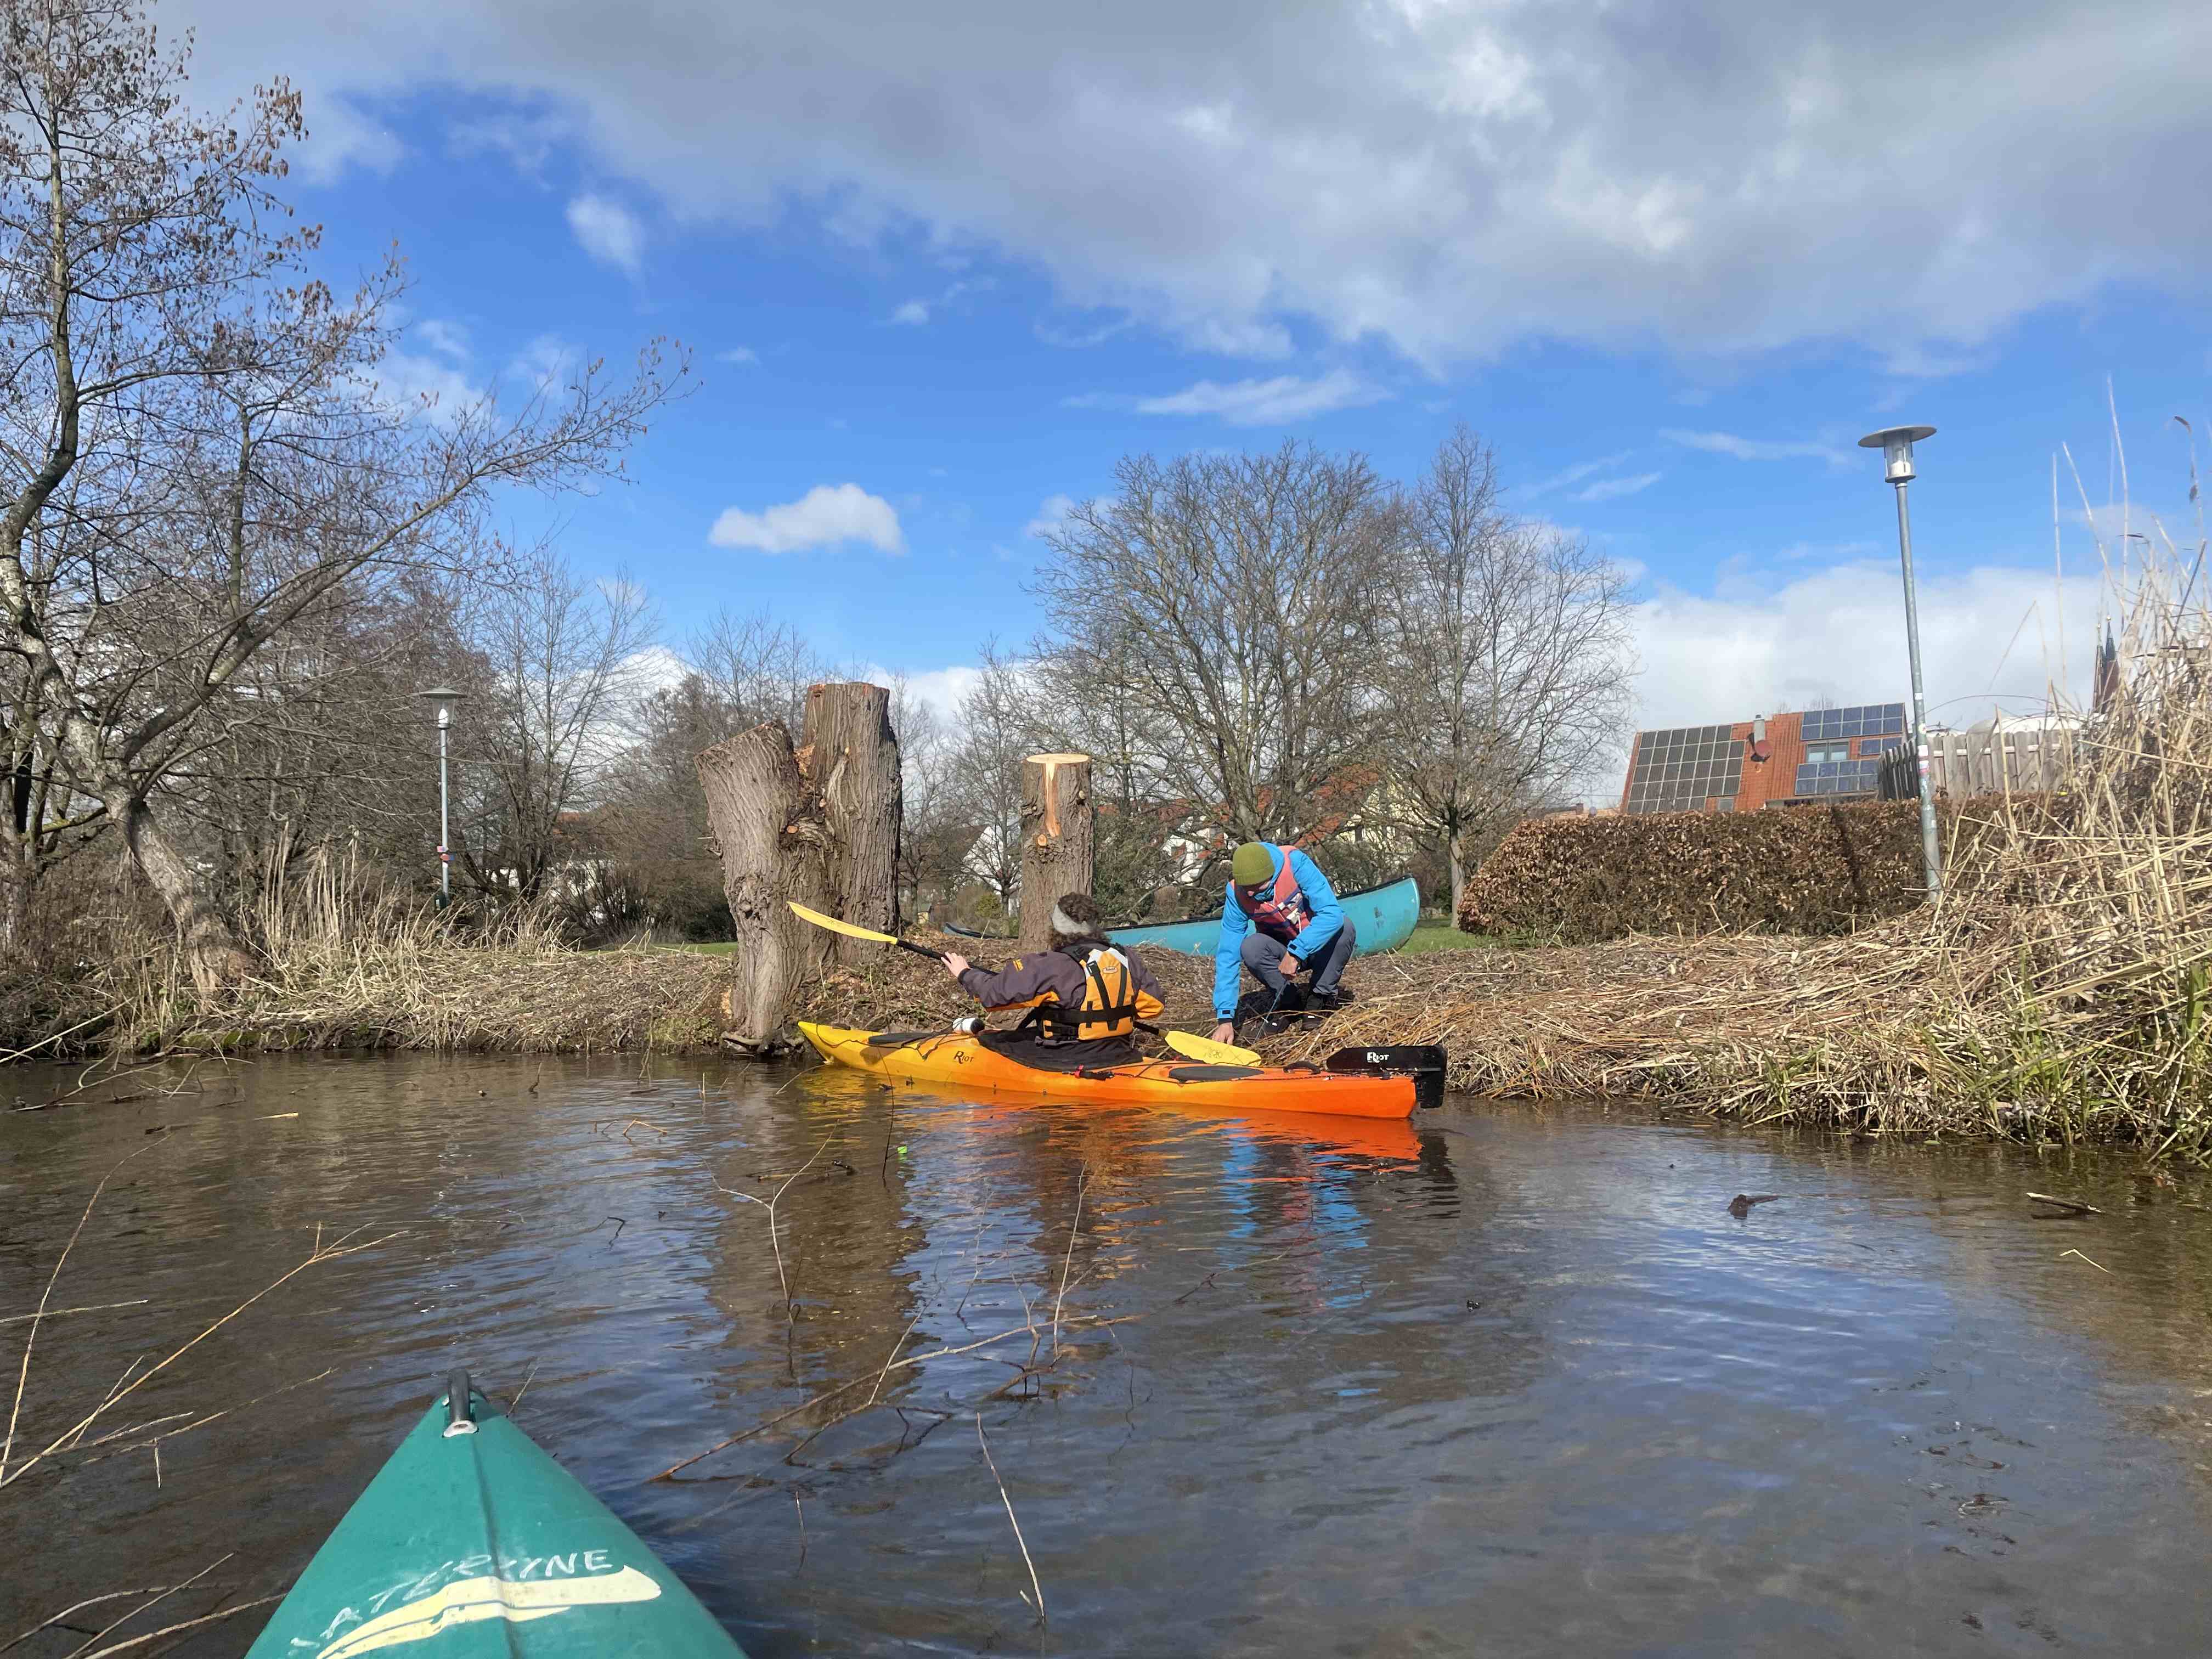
column 1253, row 863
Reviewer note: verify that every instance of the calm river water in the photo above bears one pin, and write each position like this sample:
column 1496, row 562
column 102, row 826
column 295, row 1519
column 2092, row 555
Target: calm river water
column 1516, row 1383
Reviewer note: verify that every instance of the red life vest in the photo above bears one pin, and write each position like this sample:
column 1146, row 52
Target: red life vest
column 1284, row 914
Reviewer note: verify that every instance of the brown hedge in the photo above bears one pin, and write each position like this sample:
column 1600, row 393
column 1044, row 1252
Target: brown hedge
column 1799, row 870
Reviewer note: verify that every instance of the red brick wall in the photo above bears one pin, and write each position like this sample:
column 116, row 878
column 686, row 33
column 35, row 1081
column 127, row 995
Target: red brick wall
column 1777, row 778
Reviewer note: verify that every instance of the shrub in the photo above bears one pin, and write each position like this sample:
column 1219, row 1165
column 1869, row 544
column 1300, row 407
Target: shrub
column 1801, row 870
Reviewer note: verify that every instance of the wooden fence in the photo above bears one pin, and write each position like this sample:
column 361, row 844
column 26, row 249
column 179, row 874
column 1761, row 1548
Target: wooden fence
column 2022, row 760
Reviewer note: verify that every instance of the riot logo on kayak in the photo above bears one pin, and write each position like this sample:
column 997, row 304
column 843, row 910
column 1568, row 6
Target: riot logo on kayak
column 469, row 1600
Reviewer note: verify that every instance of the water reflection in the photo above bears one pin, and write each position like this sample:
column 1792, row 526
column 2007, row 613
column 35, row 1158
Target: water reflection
column 1496, row 1380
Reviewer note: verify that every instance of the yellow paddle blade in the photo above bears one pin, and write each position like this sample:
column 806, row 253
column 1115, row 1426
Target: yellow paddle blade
column 850, row 929
column 1206, row 1049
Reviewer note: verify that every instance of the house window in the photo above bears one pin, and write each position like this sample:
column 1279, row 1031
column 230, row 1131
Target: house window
column 1826, row 754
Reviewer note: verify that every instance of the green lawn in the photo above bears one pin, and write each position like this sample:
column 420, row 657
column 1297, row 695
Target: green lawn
column 1435, row 936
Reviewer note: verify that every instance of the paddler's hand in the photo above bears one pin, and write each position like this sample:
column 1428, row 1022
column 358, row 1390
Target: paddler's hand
column 1225, row 1032
column 1290, row 966
column 955, row 964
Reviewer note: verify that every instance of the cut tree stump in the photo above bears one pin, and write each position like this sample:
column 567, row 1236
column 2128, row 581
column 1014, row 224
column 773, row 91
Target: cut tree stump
column 770, row 832
column 851, row 761
column 1056, row 840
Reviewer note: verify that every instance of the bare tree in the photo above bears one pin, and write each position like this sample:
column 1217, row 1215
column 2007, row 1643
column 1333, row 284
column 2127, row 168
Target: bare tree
column 196, row 454
column 759, row 667
column 564, row 658
column 997, row 732
column 1232, row 604
column 1511, row 663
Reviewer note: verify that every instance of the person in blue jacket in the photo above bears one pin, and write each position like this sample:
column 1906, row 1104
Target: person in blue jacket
column 1280, row 916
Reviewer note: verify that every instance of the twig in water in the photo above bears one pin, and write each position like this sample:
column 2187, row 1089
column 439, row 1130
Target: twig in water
column 160, row 1596
column 770, row 1204
column 2069, row 1206
column 23, row 1375
column 801, row 1508
column 52, row 1620
column 2098, row 1265
column 516, row 1405
column 197, row 1423
column 989, row 1462
column 170, row 1630
column 56, row 1313
column 892, row 1355
column 1068, row 1261
column 1087, row 1321
column 332, row 1251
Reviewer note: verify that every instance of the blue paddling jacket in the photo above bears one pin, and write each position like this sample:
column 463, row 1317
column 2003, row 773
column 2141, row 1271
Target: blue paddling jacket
column 1305, row 890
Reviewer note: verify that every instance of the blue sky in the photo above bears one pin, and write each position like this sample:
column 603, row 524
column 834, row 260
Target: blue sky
column 936, row 274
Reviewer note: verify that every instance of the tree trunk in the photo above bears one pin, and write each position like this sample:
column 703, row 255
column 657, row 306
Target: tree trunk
column 1458, row 874
column 1056, row 840
column 767, row 827
column 212, row 950
column 14, row 912
column 851, row 762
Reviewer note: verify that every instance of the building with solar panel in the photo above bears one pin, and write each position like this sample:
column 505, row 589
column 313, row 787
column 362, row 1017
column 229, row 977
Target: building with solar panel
column 1804, row 758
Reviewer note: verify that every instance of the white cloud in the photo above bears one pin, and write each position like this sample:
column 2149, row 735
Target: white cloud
column 827, row 515
column 1077, row 339
column 1917, row 361
column 1573, row 475
column 1050, row 515
column 526, row 137
column 1757, row 449
column 738, row 355
column 447, row 339
column 939, row 689
column 609, row 232
column 432, row 387
column 913, row 314
column 1606, row 489
column 1266, row 341
column 547, row 361
column 434, row 384
column 1274, row 402
column 1446, row 178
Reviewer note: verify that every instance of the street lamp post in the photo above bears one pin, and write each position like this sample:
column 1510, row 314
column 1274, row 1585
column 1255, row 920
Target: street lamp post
column 443, row 698
column 1896, row 443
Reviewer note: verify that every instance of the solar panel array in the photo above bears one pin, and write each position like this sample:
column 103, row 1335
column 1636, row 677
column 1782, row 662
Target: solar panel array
column 1871, row 720
column 1678, row 770
column 1852, row 777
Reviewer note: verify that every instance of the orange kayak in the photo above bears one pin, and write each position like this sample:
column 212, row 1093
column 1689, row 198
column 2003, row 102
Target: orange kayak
column 957, row 1058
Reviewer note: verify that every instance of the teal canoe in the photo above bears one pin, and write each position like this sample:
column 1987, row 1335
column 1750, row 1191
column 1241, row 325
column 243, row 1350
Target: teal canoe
column 1383, row 919
column 472, row 1534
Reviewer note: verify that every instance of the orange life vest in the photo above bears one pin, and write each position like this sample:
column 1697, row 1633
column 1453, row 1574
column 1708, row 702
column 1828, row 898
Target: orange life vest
column 1284, row 913
column 1108, row 1008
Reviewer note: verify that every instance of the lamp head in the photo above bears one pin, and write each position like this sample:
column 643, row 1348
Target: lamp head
column 442, row 698
column 1896, row 443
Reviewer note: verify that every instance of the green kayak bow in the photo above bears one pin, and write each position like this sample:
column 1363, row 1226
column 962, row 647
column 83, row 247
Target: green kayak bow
column 471, row 1535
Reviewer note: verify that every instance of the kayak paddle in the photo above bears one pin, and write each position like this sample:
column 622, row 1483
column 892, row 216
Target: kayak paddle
column 1192, row 1047
column 854, row 930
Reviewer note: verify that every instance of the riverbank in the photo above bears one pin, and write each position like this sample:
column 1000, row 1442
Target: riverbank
column 1921, row 1026
column 2060, row 991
